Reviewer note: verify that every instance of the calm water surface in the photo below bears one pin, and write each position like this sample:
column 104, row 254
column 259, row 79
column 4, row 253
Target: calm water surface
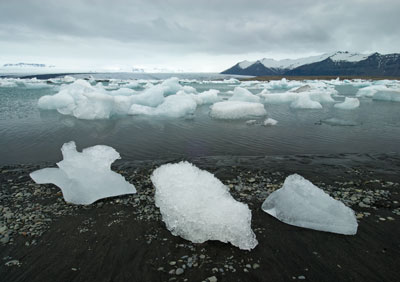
column 29, row 135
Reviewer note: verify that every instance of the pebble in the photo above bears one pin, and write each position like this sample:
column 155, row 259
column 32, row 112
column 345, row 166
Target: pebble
column 301, row 277
column 179, row 271
column 5, row 239
column 212, row 279
column 256, row 265
column 172, row 262
column 13, row 262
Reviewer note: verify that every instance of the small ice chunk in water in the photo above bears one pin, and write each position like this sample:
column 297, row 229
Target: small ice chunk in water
column 348, row 104
column 270, row 122
column 197, row 206
column 338, row 122
column 237, row 110
column 85, row 177
column 301, row 203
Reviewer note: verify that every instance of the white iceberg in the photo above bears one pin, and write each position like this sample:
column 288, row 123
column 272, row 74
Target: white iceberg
column 171, row 85
column 198, row 207
column 270, row 122
column 304, row 101
column 301, row 203
column 174, row 106
column 85, row 177
column 348, row 104
column 369, row 91
column 242, row 94
column 207, row 97
column 237, row 110
column 391, row 96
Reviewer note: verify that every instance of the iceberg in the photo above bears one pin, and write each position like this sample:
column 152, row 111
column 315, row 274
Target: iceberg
column 237, row 110
column 242, row 94
column 301, row 203
column 270, row 122
column 85, row 177
column 369, row 91
column 391, row 96
column 304, row 101
column 171, row 85
column 198, row 207
column 207, row 97
column 174, row 106
column 348, row 104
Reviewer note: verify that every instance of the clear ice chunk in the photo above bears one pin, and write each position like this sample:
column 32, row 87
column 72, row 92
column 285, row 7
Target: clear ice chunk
column 85, row 177
column 197, row 206
column 301, row 203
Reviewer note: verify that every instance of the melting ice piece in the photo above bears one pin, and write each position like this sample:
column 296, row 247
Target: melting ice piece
column 244, row 95
column 270, row 122
column 301, row 203
column 348, row 104
column 339, row 122
column 304, row 101
column 393, row 96
column 236, row 110
column 85, row 177
column 198, row 207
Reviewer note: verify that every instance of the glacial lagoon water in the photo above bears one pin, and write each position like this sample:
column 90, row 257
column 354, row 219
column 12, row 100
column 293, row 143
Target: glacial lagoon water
column 29, row 134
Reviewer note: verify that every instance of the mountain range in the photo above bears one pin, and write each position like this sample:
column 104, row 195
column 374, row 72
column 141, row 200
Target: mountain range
column 329, row 64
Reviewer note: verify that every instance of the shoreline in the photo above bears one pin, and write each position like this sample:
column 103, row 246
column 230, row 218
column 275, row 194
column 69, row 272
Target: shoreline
column 320, row 77
column 124, row 238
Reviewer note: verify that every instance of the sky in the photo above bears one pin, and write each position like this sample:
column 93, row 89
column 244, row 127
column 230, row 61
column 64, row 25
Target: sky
column 190, row 36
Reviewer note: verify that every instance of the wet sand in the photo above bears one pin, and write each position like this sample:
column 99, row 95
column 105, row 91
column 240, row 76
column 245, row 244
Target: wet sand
column 124, row 239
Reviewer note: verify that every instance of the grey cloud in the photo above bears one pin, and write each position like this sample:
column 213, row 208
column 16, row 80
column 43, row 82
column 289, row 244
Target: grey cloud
column 211, row 27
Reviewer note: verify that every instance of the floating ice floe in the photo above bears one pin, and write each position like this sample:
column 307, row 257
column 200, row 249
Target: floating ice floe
column 283, row 84
column 174, row 106
column 391, row 96
column 244, row 95
column 85, row 101
column 304, row 97
column 304, row 101
column 339, row 122
column 369, row 91
column 85, row 177
column 237, row 110
column 301, row 203
column 68, row 79
column 348, row 104
column 198, row 207
column 270, row 122
column 207, row 97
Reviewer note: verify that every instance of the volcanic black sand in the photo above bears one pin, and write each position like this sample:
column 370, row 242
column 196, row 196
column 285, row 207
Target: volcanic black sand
column 124, row 239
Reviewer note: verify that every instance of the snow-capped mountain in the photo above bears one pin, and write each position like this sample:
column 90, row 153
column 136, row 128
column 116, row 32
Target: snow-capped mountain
column 27, row 65
column 336, row 63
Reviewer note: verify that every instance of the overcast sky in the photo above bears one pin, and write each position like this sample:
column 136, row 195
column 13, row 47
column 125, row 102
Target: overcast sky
column 191, row 35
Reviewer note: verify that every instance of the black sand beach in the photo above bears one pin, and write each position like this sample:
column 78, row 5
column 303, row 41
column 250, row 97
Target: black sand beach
column 124, row 239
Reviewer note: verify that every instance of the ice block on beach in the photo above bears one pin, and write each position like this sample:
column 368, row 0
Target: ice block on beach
column 197, row 206
column 301, row 203
column 85, row 177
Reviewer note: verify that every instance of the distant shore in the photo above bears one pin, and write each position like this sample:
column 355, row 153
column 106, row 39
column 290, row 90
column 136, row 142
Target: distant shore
column 124, row 238
column 320, row 77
